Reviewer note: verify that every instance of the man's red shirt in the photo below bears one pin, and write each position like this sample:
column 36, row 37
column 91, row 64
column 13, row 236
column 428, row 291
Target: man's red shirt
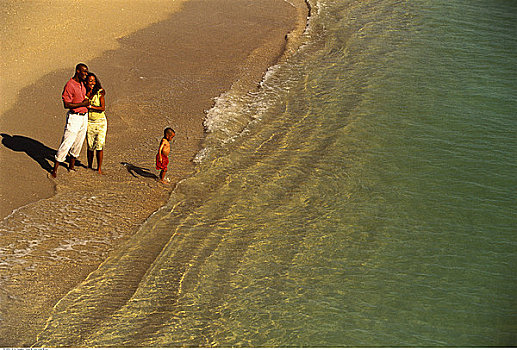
column 75, row 92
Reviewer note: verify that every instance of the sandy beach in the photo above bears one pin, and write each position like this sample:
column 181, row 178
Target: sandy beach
column 162, row 64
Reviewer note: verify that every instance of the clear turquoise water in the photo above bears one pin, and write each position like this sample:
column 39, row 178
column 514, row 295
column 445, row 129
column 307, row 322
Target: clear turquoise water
column 366, row 196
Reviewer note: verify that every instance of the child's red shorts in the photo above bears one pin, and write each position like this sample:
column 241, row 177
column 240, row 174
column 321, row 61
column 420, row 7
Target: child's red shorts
column 163, row 164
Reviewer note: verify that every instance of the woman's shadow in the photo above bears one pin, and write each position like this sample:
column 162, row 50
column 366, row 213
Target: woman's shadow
column 36, row 150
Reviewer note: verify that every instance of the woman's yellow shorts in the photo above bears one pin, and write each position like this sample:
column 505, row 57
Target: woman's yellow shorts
column 96, row 134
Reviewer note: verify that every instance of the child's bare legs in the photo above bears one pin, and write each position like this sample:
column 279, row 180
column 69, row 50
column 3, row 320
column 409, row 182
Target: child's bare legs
column 162, row 177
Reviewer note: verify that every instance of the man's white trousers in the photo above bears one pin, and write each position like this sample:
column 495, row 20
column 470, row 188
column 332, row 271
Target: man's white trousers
column 73, row 137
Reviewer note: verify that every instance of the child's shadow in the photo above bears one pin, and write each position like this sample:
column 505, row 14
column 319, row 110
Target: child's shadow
column 36, row 150
column 133, row 169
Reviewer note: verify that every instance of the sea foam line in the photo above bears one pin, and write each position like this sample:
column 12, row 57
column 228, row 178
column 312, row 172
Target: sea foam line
column 234, row 111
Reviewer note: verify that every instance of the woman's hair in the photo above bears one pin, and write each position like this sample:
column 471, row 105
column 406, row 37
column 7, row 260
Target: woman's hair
column 97, row 85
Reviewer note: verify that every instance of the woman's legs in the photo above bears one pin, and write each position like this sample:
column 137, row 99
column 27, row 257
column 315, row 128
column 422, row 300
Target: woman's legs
column 89, row 155
column 96, row 138
column 100, row 155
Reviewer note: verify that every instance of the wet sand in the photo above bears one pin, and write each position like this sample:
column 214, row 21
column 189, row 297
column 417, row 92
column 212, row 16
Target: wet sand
column 165, row 74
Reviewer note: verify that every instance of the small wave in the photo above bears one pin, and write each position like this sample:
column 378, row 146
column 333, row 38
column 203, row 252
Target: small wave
column 234, row 110
column 228, row 118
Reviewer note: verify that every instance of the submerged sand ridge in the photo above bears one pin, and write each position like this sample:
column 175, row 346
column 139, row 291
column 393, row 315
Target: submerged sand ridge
column 164, row 75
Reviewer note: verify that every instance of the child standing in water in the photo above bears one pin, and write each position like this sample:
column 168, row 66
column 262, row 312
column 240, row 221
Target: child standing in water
column 162, row 157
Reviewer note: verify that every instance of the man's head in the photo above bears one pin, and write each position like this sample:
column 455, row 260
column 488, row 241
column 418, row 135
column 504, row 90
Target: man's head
column 81, row 72
column 168, row 133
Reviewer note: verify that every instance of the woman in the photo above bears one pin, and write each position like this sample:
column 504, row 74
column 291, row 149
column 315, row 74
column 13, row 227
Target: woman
column 97, row 123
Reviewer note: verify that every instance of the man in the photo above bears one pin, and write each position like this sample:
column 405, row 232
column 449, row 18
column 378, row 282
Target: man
column 74, row 99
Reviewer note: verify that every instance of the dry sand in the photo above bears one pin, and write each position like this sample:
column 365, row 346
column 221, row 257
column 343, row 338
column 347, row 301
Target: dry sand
column 40, row 38
column 160, row 67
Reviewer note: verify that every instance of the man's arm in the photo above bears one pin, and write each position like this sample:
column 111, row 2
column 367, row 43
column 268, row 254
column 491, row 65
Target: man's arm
column 67, row 97
column 70, row 105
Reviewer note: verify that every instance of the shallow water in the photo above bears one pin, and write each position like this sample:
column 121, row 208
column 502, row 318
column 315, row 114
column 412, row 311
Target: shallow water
column 365, row 196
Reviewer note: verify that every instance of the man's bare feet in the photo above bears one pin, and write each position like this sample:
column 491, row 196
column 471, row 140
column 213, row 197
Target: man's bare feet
column 53, row 173
column 72, row 164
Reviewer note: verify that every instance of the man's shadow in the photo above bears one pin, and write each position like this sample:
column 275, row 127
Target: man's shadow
column 133, row 169
column 42, row 154
column 36, row 150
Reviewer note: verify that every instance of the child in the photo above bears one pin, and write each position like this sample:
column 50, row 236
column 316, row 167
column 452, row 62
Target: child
column 162, row 157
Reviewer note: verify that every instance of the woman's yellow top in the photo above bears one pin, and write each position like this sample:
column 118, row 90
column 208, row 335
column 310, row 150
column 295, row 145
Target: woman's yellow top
column 96, row 102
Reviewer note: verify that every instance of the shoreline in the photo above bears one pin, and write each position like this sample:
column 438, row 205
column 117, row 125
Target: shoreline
column 90, row 215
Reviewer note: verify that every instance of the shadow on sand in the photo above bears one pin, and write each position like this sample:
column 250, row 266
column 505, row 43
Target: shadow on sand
column 42, row 154
column 36, row 150
column 136, row 170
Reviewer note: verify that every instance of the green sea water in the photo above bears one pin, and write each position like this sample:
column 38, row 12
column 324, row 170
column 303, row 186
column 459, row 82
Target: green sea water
column 365, row 196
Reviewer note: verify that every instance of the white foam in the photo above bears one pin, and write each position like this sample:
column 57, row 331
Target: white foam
column 232, row 114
